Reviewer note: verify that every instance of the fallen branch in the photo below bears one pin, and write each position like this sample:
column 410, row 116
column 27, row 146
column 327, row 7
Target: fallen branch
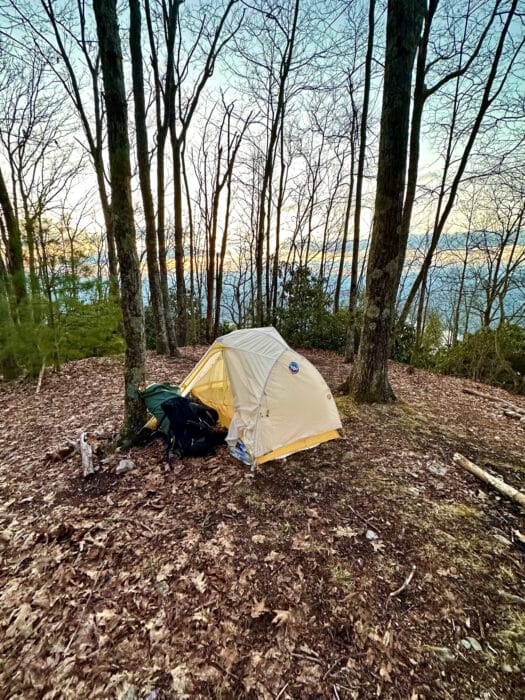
column 494, row 481
column 511, row 597
column 514, row 414
column 363, row 519
column 281, row 692
column 405, row 583
column 86, row 454
column 41, row 376
column 62, row 452
column 307, row 657
column 496, row 399
column 83, row 613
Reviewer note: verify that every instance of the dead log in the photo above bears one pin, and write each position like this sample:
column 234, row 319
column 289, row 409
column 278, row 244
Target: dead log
column 86, row 454
column 496, row 399
column 494, row 481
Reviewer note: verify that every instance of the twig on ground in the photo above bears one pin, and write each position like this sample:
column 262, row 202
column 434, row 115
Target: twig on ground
column 133, row 522
column 282, row 691
column 511, row 596
column 333, row 666
column 223, row 669
column 336, row 694
column 405, row 583
column 307, row 658
column 82, row 614
column 367, row 522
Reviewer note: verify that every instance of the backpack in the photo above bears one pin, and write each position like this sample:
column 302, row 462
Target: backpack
column 191, row 428
column 154, row 396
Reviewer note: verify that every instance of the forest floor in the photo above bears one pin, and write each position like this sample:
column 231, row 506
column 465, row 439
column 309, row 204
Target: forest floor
column 208, row 581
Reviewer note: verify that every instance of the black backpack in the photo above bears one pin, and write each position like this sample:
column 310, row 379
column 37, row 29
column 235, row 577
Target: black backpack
column 192, row 431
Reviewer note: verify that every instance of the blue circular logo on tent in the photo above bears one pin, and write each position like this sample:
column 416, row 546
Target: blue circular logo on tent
column 293, row 367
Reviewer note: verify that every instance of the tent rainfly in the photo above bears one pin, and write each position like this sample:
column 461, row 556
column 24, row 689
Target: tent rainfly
column 272, row 399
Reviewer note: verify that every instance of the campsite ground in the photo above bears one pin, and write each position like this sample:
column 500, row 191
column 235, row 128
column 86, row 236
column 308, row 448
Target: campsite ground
column 208, row 582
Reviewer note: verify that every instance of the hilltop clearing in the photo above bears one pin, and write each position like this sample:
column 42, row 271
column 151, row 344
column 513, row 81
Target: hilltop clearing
column 210, row 582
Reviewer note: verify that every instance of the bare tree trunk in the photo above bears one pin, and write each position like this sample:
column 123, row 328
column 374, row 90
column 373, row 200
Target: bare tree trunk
column 144, row 176
column 278, row 214
column 212, row 244
column 122, row 211
column 193, row 338
column 268, row 168
column 346, row 221
column 8, row 363
column 369, row 378
column 176, row 145
column 163, row 101
column 15, row 260
column 354, row 277
column 222, row 255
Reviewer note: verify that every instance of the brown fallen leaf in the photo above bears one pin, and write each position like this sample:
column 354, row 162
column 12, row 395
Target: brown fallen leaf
column 282, row 617
column 378, row 546
column 385, row 671
column 258, row 608
column 199, row 581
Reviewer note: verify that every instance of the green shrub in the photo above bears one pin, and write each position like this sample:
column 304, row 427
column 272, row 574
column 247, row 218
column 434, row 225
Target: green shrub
column 89, row 330
column 305, row 319
column 492, row 356
column 66, row 329
column 403, row 343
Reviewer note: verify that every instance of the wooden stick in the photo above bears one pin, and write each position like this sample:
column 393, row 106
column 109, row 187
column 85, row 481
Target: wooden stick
column 493, row 481
column 41, row 376
column 514, row 414
column 86, row 454
column 496, row 399
column 82, row 614
column 282, row 691
column 405, row 583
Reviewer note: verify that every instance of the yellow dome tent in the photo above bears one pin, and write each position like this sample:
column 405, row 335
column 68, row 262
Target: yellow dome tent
column 272, row 399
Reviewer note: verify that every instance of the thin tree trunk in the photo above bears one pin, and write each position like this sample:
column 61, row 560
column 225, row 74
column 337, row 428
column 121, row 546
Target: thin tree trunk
column 222, row 255
column 8, row 364
column 268, row 170
column 179, row 239
column 346, row 222
column 135, row 41
column 354, row 276
column 163, row 99
column 212, row 244
column 195, row 311
column 122, row 211
column 278, row 213
column 15, row 260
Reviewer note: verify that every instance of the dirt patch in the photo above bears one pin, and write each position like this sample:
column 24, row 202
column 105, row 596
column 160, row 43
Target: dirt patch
column 210, row 582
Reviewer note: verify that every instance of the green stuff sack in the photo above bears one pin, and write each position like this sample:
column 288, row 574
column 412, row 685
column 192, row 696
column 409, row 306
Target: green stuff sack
column 154, row 396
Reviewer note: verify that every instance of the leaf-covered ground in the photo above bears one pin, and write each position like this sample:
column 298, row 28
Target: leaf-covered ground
column 210, row 582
